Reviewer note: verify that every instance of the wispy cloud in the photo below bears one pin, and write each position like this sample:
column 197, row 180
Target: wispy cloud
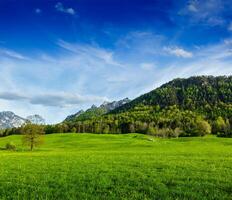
column 90, row 51
column 60, row 7
column 179, row 52
column 12, row 54
column 208, row 12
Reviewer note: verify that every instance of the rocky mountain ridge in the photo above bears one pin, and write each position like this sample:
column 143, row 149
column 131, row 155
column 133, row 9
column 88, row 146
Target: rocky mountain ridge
column 9, row 119
column 94, row 111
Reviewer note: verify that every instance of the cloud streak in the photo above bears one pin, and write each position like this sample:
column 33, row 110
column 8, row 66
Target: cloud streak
column 52, row 99
column 12, row 54
column 179, row 52
column 90, row 51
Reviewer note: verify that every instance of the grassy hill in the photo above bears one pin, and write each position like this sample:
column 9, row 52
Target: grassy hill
column 130, row 166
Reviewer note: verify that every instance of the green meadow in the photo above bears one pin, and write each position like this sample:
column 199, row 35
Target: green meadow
column 130, row 166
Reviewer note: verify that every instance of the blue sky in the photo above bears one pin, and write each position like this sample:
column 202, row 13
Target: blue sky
column 57, row 57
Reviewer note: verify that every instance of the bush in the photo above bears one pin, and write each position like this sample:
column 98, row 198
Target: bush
column 202, row 128
column 73, row 130
column 10, row 146
column 151, row 130
column 163, row 132
column 176, row 132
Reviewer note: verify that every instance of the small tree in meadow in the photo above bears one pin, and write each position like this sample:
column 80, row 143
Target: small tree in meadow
column 32, row 135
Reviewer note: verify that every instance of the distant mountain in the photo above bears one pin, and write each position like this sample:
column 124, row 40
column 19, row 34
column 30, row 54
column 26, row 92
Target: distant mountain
column 95, row 111
column 9, row 120
column 70, row 117
column 36, row 119
column 109, row 106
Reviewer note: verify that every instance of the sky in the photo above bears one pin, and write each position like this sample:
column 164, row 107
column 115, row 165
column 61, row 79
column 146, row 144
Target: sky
column 60, row 56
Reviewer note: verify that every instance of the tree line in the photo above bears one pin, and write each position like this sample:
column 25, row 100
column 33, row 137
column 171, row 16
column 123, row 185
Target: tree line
column 168, row 122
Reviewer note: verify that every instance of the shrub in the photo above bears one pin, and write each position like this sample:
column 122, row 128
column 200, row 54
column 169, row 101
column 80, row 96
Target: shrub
column 159, row 132
column 151, row 130
column 73, row 130
column 164, row 132
column 202, row 128
column 10, row 146
column 176, row 132
column 222, row 127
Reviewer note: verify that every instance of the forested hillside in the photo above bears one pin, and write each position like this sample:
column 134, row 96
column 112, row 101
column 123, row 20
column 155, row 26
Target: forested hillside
column 183, row 107
column 194, row 93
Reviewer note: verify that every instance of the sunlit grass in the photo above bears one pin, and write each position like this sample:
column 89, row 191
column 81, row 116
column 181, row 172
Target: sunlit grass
column 132, row 166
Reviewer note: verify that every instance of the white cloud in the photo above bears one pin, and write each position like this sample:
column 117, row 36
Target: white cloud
column 59, row 7
column 179, row 52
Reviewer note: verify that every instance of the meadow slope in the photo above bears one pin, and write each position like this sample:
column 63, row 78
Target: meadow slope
column 130, row 166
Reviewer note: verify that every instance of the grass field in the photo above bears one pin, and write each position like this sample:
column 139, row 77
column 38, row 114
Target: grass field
column 87, row 166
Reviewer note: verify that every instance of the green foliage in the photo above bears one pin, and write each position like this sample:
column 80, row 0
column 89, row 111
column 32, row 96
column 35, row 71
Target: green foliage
column 73, row 130
column 89, row 114
column 10, row 146
column 147, row 120
column 202, row 127
column 196, row 93
column 32, row 135
column 222, row 127
column 163, row 132
column 152, row 130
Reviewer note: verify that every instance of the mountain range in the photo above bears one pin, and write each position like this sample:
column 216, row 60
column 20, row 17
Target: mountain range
column 9, row 119
column 95, row 111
